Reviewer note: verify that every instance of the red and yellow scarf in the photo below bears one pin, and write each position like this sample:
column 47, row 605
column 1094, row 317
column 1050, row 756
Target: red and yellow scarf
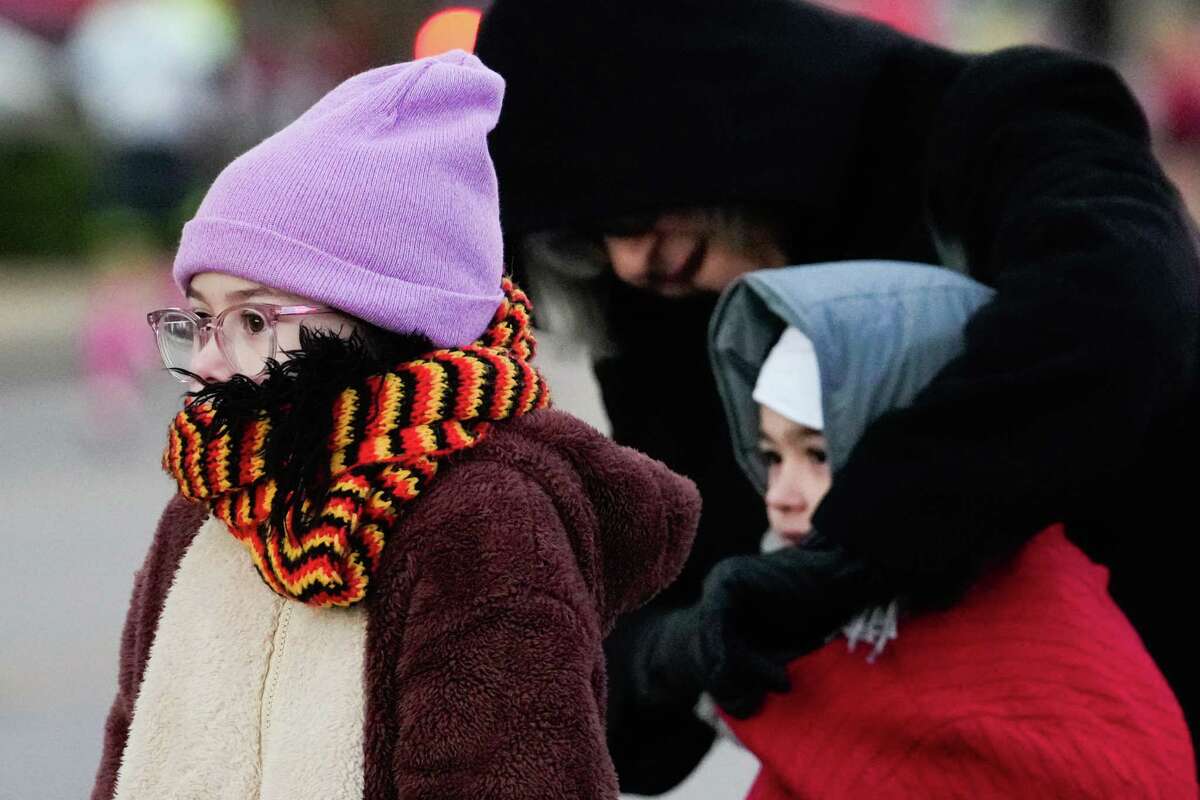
column 389, row 433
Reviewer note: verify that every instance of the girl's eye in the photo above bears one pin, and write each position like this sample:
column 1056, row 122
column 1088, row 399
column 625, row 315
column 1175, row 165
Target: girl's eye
column 253, row 323
column 818, row 454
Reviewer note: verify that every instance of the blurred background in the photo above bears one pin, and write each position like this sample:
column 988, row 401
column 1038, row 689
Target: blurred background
column 114, row 117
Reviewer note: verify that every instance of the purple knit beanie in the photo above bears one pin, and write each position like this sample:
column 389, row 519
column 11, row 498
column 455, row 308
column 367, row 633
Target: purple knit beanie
column 380, row 201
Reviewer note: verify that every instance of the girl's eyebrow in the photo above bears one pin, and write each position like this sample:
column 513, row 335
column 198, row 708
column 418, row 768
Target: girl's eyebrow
column 242, row 295
column 236, row 296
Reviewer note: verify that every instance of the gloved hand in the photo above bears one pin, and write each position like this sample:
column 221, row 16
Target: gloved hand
column 756, row 614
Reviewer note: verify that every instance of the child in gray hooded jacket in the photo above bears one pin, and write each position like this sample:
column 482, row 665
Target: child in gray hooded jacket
column 1033, row 683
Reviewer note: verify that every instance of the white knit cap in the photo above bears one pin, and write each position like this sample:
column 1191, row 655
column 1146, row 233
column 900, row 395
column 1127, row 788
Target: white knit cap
column 789, row 382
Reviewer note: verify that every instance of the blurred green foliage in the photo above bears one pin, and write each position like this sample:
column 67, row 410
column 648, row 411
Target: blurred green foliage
column 56, row 205
column 44, row 198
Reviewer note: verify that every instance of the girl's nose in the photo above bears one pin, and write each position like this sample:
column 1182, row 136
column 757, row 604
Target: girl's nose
column 209, row 362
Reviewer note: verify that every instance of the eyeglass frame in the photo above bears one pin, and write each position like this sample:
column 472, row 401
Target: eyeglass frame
column 210, row 327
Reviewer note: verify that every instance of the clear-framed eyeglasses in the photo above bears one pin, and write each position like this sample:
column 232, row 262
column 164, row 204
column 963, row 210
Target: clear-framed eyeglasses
column 245, row 335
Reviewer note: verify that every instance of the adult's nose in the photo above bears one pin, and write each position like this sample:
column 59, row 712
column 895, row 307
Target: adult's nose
column 630, row 256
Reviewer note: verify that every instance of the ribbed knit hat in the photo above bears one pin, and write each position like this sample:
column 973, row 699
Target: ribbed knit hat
column 380, row 201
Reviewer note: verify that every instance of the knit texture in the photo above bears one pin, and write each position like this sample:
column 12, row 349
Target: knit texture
column 380, row 200
column 1035, row 685
column 387, row 436
column 483, row 673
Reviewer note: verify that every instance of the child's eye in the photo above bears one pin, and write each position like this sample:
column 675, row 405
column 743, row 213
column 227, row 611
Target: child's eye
column 818, row 454
column 769, row 457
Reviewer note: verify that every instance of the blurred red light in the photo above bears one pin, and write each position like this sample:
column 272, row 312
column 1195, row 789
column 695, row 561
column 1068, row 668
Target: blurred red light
column 451, row 29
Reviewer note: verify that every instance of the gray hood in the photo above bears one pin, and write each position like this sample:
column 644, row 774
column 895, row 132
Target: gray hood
column 881, row 331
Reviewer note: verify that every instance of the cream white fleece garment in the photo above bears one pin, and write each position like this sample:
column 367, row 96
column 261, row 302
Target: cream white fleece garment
column 245, row 695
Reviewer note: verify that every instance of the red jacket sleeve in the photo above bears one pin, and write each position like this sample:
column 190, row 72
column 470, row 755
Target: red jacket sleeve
column 176, row 529
column 497, row 684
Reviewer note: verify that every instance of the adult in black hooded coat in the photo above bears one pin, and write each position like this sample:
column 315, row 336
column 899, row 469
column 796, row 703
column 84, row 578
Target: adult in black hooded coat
column 1075, row 400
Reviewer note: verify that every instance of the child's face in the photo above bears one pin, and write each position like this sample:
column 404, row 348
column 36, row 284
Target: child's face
column 798, row 474
column 210, row 293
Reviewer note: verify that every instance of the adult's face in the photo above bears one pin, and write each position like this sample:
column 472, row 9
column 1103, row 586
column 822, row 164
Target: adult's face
column 683, row 252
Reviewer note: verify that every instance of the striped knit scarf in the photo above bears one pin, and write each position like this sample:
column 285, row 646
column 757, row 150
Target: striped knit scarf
column 388, row 434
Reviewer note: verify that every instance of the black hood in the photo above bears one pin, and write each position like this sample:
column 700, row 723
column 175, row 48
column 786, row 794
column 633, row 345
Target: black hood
column 638, row 106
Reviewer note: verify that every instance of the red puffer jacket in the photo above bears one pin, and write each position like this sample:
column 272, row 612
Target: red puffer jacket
column 1035, row 685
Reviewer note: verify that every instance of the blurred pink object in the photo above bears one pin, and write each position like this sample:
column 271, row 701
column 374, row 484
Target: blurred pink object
column 1181, row 107
column 117, row 348
column 48, row 17
column 915, row 17
column 1175, row 65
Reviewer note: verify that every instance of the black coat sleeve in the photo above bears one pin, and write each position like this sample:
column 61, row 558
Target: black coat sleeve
column 661, row 398
column 1040, row 174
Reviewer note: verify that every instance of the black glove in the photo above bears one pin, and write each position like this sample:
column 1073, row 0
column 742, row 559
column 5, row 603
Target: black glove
column 756, row 614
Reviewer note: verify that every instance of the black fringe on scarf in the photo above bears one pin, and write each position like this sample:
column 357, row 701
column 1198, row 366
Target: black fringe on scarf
column 298, row 396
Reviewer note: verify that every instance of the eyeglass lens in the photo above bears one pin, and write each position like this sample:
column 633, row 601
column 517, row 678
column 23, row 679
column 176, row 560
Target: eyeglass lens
column 245, row 339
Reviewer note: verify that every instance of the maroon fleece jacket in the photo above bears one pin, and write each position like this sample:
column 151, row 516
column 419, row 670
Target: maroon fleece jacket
column 484, row 674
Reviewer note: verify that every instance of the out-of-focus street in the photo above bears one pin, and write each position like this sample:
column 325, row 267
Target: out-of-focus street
column 80, row 509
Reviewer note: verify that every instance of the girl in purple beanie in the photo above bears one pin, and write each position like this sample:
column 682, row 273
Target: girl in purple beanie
column 389, row 566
